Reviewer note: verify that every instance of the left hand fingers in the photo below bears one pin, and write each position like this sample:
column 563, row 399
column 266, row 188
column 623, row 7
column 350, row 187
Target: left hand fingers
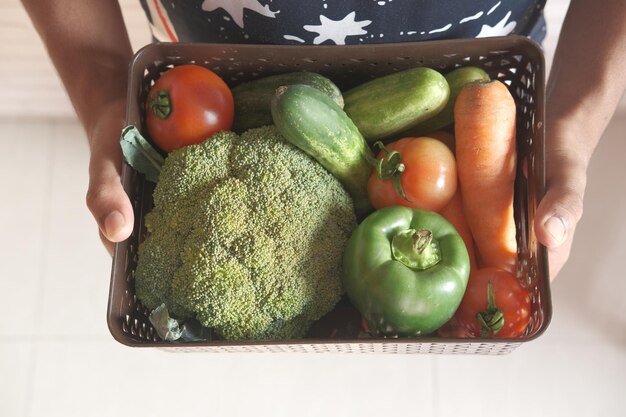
column 562, row 206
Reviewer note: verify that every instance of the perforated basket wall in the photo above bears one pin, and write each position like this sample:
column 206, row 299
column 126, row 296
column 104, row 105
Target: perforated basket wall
column 515, row 61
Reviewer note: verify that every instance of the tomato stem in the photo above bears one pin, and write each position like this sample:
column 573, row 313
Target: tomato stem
column 161, row 105
column 390, row 167
column 492, row 319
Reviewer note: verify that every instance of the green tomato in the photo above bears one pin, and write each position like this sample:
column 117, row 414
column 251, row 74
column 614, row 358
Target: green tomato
column 406, row 271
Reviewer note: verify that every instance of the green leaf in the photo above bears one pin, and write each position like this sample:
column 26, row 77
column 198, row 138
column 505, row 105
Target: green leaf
column 193, row 331
column 170, row 329
column 167, row 327
column 140, row 154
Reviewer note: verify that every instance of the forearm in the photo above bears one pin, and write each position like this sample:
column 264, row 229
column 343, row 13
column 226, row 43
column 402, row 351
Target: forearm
column 88, row 44
column 588, row 76
column 586, row 83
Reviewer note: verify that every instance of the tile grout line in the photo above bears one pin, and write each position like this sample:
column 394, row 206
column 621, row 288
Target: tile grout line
column 53, row 338
column 43, row 261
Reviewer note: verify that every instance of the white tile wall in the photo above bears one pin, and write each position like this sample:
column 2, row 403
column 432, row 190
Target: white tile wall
column 35, row 88
column 58, row 359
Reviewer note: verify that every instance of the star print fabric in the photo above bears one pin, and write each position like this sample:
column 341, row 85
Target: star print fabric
column 340, row 22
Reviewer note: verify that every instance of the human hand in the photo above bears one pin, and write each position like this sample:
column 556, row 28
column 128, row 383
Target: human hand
column 106, row 198
column 561, row 208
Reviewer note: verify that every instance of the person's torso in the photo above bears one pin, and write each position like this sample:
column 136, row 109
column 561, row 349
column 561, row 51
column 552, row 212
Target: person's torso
column 339, row 21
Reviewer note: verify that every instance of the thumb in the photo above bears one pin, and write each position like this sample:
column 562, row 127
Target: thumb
column 561, row 208
column 110, row 206
column 557, row 215
column 106, row 198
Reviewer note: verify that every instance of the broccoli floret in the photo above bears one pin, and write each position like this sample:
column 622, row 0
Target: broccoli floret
column 246, row 236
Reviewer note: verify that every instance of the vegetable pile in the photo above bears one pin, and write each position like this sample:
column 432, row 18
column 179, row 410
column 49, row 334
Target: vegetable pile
column 397, row 193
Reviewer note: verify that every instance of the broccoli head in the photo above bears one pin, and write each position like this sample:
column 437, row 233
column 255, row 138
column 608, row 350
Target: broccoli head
column 246, row 236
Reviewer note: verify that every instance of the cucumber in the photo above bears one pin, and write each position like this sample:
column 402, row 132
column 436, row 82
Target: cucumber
column 456, row 80
column 313, row 122
column 252, row 99
column 396, row 102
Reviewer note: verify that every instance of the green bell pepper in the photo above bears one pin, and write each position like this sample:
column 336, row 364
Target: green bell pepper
column 406, row 271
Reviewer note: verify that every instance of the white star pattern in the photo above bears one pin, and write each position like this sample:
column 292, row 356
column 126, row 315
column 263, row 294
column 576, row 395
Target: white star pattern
column 500, row 29
column 235, row 8
column 470, row 18
column 337, row 30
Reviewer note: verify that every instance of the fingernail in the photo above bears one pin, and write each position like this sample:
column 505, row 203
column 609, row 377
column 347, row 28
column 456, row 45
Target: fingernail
column 113, row 223
column 556, row 228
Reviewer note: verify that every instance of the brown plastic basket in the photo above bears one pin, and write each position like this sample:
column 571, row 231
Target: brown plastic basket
column 516, row 61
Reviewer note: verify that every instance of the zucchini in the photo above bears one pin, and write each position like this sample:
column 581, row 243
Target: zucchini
column 393, row 103
column 253, row 98
column 313, row 122
column 456, row 80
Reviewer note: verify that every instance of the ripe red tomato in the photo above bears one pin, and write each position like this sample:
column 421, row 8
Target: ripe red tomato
column 428, row 177
column 511, row 299
column 452, row 328
column 446, row 137
column 186, row 105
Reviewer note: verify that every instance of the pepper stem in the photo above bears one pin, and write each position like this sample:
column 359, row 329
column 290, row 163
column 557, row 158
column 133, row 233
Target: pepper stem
column 389, row 167
column 416, row 249
column 492, row 319
column 161, row 105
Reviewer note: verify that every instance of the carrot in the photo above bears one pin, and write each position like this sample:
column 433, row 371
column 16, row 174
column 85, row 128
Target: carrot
column 453, row 212
column 484, row 117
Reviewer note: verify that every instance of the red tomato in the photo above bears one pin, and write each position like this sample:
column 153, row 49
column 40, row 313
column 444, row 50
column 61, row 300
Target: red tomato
column 511, row 299
column 429, row 178
column 452, row 328
column 445, row 137
column 187, row 105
